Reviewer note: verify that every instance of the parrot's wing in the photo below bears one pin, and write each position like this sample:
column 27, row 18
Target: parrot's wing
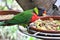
column 21, row 18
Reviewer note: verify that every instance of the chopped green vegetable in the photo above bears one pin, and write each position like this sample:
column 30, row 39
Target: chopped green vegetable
column 58, row 28
column 9, row 31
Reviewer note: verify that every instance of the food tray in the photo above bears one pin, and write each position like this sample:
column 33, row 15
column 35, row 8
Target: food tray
column 41, row 35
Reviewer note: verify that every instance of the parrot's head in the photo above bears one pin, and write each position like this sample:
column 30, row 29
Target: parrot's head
column 39, row 11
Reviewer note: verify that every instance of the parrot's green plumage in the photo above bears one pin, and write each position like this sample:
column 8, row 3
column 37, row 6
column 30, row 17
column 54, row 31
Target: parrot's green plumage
column 36, row 10
column 21, row 18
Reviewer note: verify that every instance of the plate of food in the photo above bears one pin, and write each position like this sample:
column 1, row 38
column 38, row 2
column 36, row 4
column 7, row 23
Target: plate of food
column 47, row 24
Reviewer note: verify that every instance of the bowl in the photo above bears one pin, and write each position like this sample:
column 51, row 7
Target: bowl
column 46, row 31
column 8, row 14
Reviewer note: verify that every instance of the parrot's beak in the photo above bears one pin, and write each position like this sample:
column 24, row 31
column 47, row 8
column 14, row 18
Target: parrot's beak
column 44, row 13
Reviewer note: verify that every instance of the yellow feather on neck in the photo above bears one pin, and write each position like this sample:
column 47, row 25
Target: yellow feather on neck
column 36, row 10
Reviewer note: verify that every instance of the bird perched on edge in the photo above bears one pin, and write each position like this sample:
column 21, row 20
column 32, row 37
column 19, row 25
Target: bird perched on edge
column 23, row 18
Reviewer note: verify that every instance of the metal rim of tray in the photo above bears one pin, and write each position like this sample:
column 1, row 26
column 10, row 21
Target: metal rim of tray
column 40, row 37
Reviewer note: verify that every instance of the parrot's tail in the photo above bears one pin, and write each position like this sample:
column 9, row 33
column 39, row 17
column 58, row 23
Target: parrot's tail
column 2, row 23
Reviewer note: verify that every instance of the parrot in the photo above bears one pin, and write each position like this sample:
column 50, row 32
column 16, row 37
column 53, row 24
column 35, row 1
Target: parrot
column 23, row 18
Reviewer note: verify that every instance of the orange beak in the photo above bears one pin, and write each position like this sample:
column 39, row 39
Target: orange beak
column 44, row 13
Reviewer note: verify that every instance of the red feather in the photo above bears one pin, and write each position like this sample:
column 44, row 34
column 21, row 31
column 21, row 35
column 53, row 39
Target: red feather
column 34, row 17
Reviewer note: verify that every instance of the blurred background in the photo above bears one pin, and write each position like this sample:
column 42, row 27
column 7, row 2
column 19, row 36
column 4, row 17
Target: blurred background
column 10, row 5
column 13, row 5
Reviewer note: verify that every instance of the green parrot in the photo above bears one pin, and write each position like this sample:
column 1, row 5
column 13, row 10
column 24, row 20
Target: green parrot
column 22, row 18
